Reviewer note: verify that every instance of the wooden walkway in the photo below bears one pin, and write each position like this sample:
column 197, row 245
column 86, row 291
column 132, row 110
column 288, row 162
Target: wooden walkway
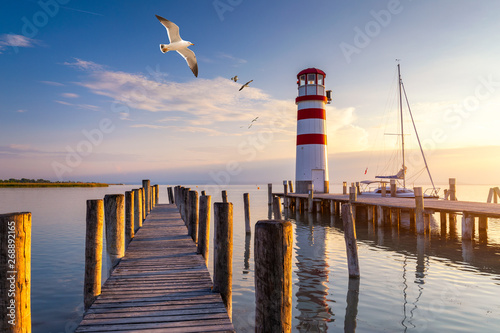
column 161, row 285
column 472, row 208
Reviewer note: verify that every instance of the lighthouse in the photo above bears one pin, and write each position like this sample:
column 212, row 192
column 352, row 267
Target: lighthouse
column 311, row 159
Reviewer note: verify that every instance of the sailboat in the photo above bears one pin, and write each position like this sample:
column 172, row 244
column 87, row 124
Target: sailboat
column 402, row 191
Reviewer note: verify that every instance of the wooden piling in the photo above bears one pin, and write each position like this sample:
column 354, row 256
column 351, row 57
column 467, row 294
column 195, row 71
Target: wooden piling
column 157, row 194
column 170, row 195
column 147, row 195
column 153, row 197
column 380, row 216
column 350, row 241
column 467, row 226
column 93, row 252
column 129, row 217
column 15, row 272
column 344, row 188
column 285, row 194
column 310, row 199
column 193, row 215
column 203, row 193
column 384, row 190
column 393, row 187
column 419, row 211
column 246, row 204
column 224, row 196
column 223, row 253
column 273, row 276
column 353, row 194
column 185, row 205
column 115, row 226
column 277, row 208
column 270, row 194
column 143, row 203
column 369, row 214
column 204, row 226
column 442, row 219
column 290, row 186
column 137, row 209
column 453, row 189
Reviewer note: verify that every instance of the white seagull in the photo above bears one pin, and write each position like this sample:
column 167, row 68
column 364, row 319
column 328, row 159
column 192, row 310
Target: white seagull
column 177, row 44
column 245, row 85
column 235, row 78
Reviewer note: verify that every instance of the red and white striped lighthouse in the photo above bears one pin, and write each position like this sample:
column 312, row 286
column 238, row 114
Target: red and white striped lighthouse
column 311, row 159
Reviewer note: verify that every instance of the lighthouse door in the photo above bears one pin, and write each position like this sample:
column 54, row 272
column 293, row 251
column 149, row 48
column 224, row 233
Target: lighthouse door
column 318, row 180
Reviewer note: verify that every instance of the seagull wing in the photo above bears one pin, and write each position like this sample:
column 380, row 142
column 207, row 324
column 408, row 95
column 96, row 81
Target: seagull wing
column 190, row 58
column 172, row 29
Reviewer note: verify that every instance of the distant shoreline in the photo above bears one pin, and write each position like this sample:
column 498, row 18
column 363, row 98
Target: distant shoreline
column 53, row 185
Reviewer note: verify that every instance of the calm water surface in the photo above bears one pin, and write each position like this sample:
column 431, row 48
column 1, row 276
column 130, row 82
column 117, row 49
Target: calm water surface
column 408, row 283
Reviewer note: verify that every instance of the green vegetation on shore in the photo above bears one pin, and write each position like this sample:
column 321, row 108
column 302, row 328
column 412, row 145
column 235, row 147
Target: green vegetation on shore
column 24, row 182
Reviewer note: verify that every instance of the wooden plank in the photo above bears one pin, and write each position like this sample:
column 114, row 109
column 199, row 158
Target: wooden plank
column 161, row 284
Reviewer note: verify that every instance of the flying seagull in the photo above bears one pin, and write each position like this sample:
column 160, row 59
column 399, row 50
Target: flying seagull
column 251, row 123
column 245, row 85
column 179, row 45
column 235, row 78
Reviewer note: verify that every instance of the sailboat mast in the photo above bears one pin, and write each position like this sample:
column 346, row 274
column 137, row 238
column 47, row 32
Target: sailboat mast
column 402, row 130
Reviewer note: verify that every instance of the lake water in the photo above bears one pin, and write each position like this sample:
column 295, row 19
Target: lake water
column 407, row 284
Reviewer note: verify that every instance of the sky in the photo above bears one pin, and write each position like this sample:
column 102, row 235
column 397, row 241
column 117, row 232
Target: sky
column 87, row 95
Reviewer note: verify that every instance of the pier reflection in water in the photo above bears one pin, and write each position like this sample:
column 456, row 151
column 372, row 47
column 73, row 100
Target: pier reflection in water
column 396, row 292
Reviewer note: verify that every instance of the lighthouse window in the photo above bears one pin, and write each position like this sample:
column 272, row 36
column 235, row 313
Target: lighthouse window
column 302, row 80
column 311, row 79
column 320, row 79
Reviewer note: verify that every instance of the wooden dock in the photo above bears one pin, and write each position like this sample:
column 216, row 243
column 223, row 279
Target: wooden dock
column 160, row 285
column 433, row 205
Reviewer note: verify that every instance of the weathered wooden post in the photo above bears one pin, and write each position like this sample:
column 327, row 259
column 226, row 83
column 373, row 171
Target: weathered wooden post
column 170, row 195
column 137, row 209
column 246, row 204
column 380, row 216
column 115, row 227
column 369, row 214
column 273, row 276
column 344, row 188
column 147, row 194
column 93, row 252
column 193, row 215
column 224, row 195
column 419, row 210
column 453, row 189
column 384, row 189
column 277, row 208
column 153, row 197
column 350, row 241
column 176, row 196
column 203, row 192
column 223, row 253
column 290, row 186
column 143, row 203
column 157, row 194
column 185, row 205
column 129, row 216
column 353, row 194
column 285, row 194
column 393, row 187
column 442, row 219
column 467, row 226
column 204, row 227
column 15, row 272
column 270, row 194
column 310, row 198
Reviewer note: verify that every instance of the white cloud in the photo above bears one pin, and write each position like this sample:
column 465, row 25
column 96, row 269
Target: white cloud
column 52, row 83
column 15, row 41
column 70, row 95
column 80, row 106
column 84, row 65
column 236, row 61
column 21, row 111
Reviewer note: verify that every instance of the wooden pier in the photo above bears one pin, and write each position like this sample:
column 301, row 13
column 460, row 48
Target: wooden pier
column 431, row 205
column 160, row 285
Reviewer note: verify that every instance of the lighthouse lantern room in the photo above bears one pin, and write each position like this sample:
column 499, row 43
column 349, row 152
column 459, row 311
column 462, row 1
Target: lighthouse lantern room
column 311, row 160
